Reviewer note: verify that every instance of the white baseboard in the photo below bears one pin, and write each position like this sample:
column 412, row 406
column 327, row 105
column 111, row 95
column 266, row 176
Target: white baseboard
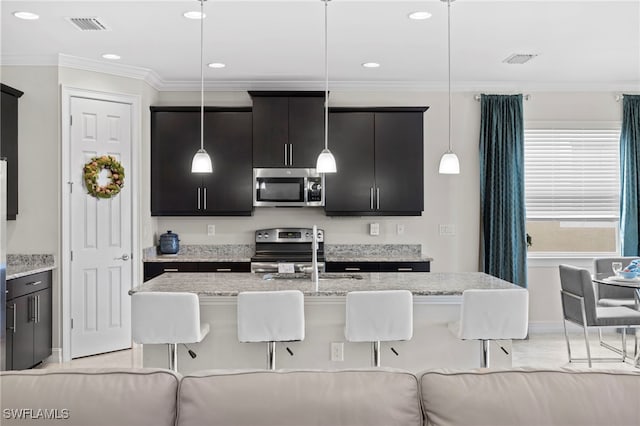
column 55, row 357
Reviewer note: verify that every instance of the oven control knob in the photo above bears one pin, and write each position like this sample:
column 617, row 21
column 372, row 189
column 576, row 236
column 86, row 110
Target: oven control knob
column 266, row 235
column 259, row 235
column 307, row 235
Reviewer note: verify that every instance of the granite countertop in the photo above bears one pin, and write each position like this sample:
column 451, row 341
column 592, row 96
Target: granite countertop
column 20, row 265
column 333, row 253
column 230, row 284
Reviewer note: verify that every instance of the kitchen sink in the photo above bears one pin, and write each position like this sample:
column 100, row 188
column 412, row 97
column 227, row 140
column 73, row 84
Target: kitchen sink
column 303, row 276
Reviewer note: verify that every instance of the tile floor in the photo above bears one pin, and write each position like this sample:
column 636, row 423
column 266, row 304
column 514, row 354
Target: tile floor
column 544, row 350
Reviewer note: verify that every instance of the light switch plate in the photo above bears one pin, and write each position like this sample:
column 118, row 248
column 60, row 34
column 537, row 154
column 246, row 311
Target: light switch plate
column 400, row 229
column 447, row 229
column 374, row 229
column 211, row 230
column 337, row 351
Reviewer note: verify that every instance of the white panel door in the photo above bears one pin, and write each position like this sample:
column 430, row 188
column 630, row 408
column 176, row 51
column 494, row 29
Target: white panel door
column 101, row 236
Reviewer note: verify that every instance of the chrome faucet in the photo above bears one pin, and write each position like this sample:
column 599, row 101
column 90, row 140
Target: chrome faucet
column 314, row 258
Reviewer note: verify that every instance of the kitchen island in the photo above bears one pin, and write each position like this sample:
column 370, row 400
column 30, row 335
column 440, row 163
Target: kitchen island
column 437, row 301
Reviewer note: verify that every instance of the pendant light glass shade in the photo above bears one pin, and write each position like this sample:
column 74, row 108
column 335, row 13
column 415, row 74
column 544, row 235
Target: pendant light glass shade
column 449, row 164
column 201, row 162
column 326, row 163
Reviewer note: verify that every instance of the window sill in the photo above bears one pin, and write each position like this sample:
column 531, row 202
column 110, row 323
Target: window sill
column 552, row 260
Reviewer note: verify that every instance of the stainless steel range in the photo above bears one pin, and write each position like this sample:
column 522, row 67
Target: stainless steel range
column 292, row 246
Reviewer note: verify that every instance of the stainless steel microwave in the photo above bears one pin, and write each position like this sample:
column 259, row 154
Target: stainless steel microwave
column 288, row 188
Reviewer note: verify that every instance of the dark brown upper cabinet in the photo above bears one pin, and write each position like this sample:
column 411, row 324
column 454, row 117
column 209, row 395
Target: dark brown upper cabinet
column 175, row 137
column 9, row 145
column 379, row 154
column 288, row 129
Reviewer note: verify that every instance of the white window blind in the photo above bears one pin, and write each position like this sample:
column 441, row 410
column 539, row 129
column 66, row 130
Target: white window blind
column 572, row 173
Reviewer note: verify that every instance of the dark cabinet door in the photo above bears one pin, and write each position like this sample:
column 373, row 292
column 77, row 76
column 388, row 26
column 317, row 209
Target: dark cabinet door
column 229, row 189
column 42, row 326
column 9, row 145
column 271, row 131
column 306, row 130
column 175, row 137
column 351, row 140
column 399, row 162
column 22, row 338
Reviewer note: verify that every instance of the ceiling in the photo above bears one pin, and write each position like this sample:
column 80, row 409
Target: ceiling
column 581, row 45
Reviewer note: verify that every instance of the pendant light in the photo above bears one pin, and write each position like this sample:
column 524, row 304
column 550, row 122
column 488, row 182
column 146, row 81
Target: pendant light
column 326, row 162
column 449, row 164
column 201, row 161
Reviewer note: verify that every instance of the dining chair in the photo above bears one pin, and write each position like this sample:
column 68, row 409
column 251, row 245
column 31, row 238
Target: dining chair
column 610, row 295
column 579, row 306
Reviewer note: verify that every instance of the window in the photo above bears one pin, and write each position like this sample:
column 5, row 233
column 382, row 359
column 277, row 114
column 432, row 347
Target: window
column 572, row 187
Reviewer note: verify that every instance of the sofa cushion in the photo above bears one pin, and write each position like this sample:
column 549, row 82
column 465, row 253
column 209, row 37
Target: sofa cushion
column 333, row 398
column 89, row 397
column 531, row 397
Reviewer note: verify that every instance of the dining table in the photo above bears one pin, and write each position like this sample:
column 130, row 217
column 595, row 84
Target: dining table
column 633, row 283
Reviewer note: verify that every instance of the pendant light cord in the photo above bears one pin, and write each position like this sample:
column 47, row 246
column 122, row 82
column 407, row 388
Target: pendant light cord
column 449, row 63
column 201, row 74
column 326, row 78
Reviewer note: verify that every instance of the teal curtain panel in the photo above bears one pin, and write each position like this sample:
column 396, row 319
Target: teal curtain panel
column 630, row 175
column 503, row 216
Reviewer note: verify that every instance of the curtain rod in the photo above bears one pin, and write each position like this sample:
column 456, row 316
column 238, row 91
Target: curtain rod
column 525, row 97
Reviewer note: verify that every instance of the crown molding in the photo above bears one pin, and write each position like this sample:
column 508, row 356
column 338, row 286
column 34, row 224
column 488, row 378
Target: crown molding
column 158, row 83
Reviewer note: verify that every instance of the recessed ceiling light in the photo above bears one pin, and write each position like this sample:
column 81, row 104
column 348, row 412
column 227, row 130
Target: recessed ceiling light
column 217, row 65
column 111, row 56
column 26, row 15
column 194, row 15
column 371, row 65
column 418, row 16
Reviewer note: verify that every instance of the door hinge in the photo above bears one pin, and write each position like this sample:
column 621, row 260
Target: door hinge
column 71, row 323
column 71, row 120
column 72, row 255
column 70, row 187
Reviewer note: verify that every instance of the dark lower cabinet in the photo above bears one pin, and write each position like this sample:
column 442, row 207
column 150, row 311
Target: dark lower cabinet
column 379, row 154
column 9, row 144
column 422, row 266
column 29, row 321
column 175, row 137
column 153, row 269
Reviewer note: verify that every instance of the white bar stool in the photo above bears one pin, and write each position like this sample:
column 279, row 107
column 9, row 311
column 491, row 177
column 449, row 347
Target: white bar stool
column 167, row 318
column 375, row 316
column 271, row 316
column 492, row 314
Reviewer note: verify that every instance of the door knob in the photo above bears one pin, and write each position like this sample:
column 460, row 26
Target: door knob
column 123, row 257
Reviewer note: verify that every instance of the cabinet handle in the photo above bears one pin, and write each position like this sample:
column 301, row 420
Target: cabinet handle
column 15, row 326
column 198, row 198
column 37, row 309
column 170, row 269
column 371, row 197
column 34, row 283
column 291, row 154
column 285, row 154
column 205, row 197
column 405, row 269
column 378, row 198
column 223, row 269
column 352, row 269
column 32, row 305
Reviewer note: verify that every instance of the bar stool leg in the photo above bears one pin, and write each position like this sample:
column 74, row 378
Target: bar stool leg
column 484, row 359
column 173, row 356
column 376, row 353
column 271, row 355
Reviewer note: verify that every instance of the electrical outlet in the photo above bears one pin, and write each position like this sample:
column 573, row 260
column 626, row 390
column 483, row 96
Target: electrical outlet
column 447, row 229
column 400, row 229
column 337, row 351
column 211, row 230
column 374, row 229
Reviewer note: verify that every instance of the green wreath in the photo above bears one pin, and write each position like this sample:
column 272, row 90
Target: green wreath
column 91, row 171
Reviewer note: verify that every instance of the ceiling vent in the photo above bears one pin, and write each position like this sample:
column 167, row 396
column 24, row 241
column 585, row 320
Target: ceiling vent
column 88, row 24
column 519, row 58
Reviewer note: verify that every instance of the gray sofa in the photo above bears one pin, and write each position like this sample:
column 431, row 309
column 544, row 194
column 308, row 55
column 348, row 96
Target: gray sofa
column 347, row 397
